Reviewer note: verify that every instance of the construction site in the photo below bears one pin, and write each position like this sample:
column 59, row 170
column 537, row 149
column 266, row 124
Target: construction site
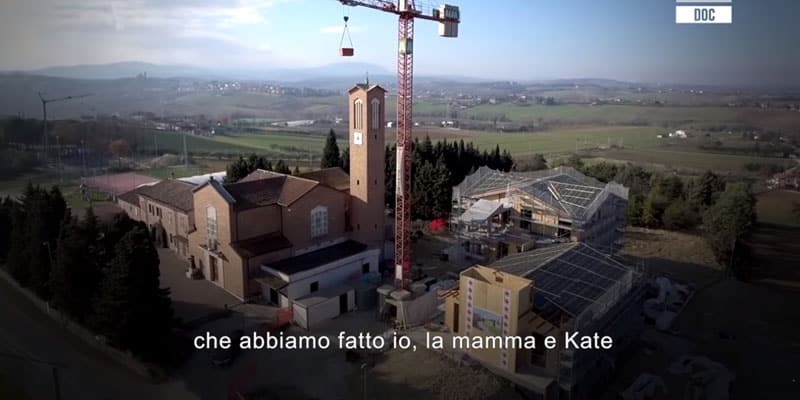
column 496, row 214
column 298, row 259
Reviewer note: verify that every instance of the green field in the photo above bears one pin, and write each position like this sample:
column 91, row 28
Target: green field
column 567, row 140
column 271, row 143
column 173, row 143
column 690, row 160
column 638, row 144
column 623, row 114
column 276, row 142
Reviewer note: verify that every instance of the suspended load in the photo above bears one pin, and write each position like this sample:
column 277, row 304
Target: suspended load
column 346, row 51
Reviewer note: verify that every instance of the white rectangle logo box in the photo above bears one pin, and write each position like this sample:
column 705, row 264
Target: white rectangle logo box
column 703, row 14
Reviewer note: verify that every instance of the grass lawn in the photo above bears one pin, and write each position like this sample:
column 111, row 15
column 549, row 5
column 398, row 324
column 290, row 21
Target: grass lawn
column 775, row 207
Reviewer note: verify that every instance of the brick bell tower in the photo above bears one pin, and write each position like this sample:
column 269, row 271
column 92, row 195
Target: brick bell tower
column 367, row 163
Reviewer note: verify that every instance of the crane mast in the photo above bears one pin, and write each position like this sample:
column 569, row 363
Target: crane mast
column 407, row 11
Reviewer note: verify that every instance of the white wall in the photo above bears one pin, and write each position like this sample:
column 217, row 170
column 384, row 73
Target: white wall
column 300, row 314
column 323, row 311
column 328, row 309
column 329, row 275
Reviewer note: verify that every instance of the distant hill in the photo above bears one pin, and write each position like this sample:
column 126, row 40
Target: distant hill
column 131, row 69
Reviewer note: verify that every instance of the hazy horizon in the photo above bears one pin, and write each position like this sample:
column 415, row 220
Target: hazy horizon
column 625, row 40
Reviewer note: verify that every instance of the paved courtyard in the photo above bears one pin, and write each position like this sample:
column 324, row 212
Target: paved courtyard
column 196, row 299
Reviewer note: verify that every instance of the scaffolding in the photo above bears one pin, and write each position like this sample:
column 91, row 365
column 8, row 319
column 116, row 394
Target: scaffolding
column 558, row 204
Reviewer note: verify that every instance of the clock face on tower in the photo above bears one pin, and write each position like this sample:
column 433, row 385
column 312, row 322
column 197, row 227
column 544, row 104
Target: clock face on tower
column 357, row 138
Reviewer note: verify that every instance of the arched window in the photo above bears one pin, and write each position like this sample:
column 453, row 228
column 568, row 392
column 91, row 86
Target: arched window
column 376, row 113
column 358, row 114
column 319, row 221
column 211, row 225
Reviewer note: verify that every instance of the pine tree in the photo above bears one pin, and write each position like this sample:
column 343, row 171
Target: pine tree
column 330, row 154
column 18, row 247
column 70, row 272
column 345, row 160
column 131, row 310
column 679, row 215
column 707, row 189
column 282, row 168
column 538, row 163
column 651, row 211
column 442, row 190
column 6, row 209
column 296, row 170
column 728, row 220
column 634, row 211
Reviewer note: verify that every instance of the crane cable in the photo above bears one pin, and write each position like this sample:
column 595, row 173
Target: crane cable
column 346, row 31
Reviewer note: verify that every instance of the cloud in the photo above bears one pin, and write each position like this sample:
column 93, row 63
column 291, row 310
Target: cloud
column 161, row 31
column 338, row 29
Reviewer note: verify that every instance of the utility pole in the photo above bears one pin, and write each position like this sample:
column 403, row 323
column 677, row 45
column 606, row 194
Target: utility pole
column 60, row 175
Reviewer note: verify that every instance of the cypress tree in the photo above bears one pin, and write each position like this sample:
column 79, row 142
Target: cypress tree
column 330, row 154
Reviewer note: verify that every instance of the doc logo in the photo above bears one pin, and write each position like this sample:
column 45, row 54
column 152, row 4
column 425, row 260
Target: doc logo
column 704, row 12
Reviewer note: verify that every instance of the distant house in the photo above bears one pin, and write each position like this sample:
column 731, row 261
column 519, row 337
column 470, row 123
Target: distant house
column 680, row 134
column 166, row 207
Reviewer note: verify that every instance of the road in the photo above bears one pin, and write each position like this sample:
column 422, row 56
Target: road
column 84, row 373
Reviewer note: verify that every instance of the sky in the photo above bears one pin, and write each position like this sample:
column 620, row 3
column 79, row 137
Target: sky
column 631, row 40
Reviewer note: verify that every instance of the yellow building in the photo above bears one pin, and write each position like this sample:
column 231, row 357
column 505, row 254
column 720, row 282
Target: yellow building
column 550, row 291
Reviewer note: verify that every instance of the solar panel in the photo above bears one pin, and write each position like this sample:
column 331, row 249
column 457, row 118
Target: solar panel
column 572, row 276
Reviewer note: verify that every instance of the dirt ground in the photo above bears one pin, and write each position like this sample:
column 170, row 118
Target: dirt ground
column 668, row 245
column 426, row 252
column 745, row 326
column 326, row 374
column 776, row 250
column 423, row 374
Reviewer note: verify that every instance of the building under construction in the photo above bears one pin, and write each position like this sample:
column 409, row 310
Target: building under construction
column 550, row 291
column 496, row 214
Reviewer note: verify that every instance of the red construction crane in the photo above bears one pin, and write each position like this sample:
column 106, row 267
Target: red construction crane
column 448, row 18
